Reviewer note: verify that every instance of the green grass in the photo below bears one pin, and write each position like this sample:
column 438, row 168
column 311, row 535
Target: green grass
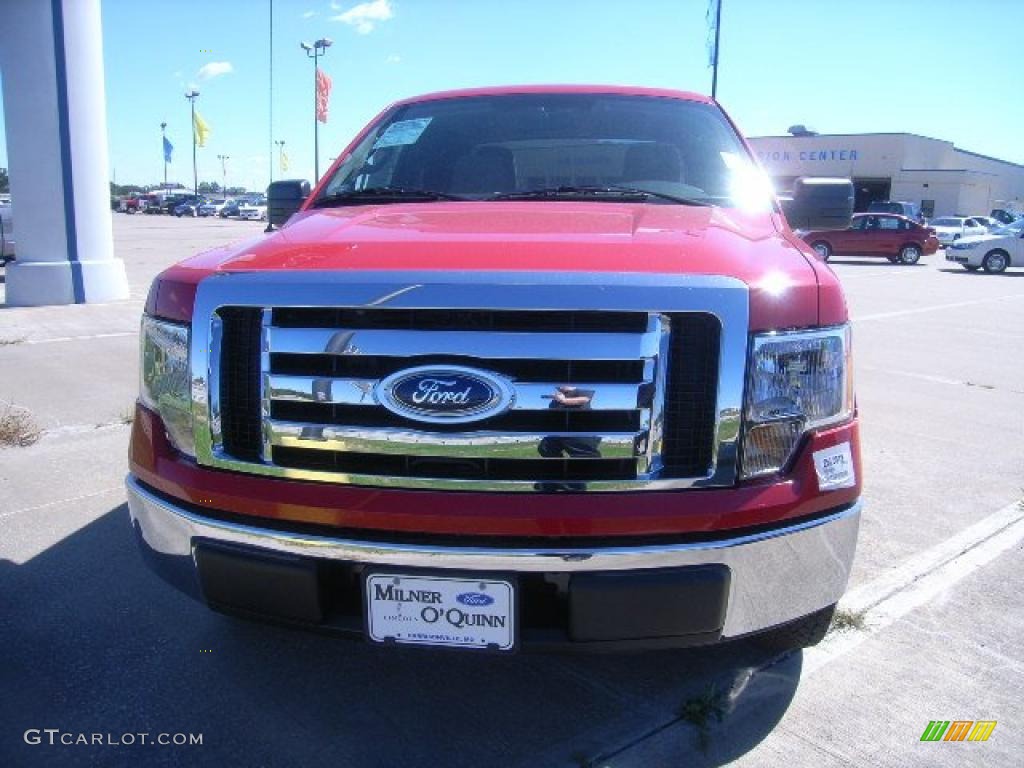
column 17, row 427
column 699, row 711
column 847, row 621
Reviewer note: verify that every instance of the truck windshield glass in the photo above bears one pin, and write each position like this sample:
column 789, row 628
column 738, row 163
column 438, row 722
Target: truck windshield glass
column 559, row 146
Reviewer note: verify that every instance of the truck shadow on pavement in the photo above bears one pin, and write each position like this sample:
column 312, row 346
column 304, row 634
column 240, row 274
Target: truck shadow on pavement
column 95, row 643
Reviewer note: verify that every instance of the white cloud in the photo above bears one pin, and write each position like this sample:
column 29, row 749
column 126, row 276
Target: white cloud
column 177, row 75
column 309, row 14
column 214, row 69
column 335, row 6
column 365, row 16
column 394, row 58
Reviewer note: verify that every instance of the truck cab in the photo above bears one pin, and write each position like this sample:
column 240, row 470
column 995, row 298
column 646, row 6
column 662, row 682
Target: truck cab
column 529, row 367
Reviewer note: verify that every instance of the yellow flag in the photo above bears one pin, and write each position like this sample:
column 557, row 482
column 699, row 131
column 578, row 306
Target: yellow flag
column 202, row 130
column 284, row 161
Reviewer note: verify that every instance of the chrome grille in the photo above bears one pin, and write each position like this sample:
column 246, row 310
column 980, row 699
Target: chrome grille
column 321, row 412
column 289, row 388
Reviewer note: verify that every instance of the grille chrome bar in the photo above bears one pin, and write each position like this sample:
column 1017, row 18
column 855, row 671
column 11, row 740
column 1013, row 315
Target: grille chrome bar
column 659, row 297
column 530, row 396
column 483, row 344
column 520, row 445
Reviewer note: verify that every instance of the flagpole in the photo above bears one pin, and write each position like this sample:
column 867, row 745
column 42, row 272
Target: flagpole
column 192, row 96
column 313, row 51
column 163, row 148
column 270, row 60
column 316, row 124
column 718, row 28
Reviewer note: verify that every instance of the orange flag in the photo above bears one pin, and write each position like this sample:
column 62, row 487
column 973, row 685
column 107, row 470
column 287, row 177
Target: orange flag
column 323, row 94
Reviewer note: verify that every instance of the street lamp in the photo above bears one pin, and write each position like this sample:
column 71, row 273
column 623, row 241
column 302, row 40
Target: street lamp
column 163, row 149
column 224, row 172
column 280, row 154
column 192, row 96
column 315, row 51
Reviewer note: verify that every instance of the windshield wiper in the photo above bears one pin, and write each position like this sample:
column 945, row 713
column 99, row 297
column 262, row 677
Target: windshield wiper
column 610, row 192
column 382, row 195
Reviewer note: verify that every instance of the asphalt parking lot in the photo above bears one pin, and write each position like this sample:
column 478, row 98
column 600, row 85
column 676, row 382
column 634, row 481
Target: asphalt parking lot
column 94, row 643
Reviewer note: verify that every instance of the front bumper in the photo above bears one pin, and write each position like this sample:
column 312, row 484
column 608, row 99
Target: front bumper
column 771, row 576
column 963, row 256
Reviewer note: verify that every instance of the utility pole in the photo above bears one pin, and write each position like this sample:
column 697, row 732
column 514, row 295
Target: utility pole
column 714, row 64
column 270, row 60
column 224, row 172
column 163, row 148
column 192, row 96
column 314, row 51
column 280, row 153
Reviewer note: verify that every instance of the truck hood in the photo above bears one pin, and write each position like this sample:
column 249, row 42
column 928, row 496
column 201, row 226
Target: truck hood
column 539, row 237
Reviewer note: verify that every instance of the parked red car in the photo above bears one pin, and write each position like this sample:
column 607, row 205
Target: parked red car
column 897, row 238
column 531, row 366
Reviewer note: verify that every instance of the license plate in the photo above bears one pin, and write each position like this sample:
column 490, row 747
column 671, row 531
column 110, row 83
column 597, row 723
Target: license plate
column 438, row 610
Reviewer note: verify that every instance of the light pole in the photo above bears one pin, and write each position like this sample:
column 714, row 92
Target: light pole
column 315, row 51
column 280, row 154
column 163, row 148
column 192, row 96
column 224, row 172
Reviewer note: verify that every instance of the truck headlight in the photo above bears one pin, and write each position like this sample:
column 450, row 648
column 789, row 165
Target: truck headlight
column 165, row 379
column 796, row 382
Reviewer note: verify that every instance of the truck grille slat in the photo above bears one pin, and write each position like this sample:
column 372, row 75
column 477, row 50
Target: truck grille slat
column 567, row 371
column 513, row 421
column 469, row 468
column 459, row 320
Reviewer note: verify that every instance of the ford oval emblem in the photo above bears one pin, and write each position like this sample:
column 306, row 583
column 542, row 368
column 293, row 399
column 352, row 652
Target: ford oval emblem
column 474, row 598
column 444, row 394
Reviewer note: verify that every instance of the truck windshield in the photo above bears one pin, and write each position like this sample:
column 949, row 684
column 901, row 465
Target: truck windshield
column 551, row 146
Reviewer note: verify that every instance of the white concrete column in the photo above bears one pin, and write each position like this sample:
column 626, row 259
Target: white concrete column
column 51, row 60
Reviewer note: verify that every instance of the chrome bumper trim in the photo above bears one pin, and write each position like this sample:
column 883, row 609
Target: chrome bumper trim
column 777, row 575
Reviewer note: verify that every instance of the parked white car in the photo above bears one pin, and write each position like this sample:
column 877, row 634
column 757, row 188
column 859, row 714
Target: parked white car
column 253, row 211
column 949, row 229
column 993, row 252
column 988, row 222
column 213, row 207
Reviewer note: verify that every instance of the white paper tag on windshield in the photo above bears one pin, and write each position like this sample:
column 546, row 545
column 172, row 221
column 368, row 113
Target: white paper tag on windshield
column 835, row 467
column 403, row 132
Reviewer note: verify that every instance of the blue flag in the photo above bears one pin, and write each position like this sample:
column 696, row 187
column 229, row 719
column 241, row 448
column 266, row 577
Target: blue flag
column 168, row 149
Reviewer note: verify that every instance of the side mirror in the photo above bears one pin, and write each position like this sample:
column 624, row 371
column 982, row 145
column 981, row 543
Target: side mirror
column 819, row 203
column 284, row 198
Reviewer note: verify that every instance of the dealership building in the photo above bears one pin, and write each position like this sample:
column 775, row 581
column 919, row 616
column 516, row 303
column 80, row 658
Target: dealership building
column 941, row 178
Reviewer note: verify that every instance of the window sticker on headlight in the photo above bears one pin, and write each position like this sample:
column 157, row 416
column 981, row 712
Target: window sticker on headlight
column 834, row 467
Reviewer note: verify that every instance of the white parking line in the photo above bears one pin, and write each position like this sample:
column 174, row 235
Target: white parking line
column 933, row 379
column 934, row 308
column 920, row 580
column 49, row 504
column 88, row 337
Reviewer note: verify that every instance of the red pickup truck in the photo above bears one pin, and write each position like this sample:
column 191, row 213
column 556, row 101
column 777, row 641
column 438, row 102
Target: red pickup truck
column 530, row 367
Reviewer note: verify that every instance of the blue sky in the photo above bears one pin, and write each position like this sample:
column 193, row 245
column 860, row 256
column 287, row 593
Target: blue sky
column 940, row 68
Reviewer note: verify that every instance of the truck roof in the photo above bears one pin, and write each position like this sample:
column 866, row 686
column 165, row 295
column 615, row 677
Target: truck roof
column 504, row 90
